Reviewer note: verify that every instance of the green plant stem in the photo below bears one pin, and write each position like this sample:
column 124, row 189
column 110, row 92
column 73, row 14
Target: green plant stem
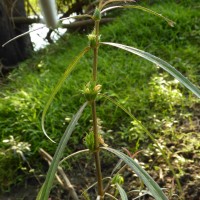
column 94, row 118
column 95, row 60
column 100, row 3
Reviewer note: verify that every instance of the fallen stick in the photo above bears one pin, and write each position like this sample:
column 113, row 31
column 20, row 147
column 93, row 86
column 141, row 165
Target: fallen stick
column 65, row 183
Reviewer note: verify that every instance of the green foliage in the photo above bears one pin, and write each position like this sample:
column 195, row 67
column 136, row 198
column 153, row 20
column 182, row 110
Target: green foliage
column 59, row 85
column 46, row 187
column 165, row 94
column 122, row 192
column 14, row 153
column 161, row 63
column 69, row 6
column 89, row 141
column 134, row 132
column 155, row 98
column 118, row 179
column 148, row 181
column 91, row 92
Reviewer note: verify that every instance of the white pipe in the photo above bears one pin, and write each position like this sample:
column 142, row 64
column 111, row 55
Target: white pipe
column 49, row 12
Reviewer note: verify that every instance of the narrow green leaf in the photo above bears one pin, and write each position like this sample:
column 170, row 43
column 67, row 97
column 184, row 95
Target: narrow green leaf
column 74, row 154
column 39, row 195
column 58, row 86
column 122, row 192
column 170, row 22
column 102, row 5
column 45, row 190
column 163, row 64
column 153, row 187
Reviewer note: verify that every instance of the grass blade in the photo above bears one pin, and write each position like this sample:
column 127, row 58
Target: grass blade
column 122, row 192
column 153, row 187
column 58, row 86
column 163, row 64
column 45, row 190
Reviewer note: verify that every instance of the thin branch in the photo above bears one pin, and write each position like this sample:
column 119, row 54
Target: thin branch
column 76, row 17
column 68, row 26
column 111, row 196
column 25, row 20
column 73, row 154
column 12, row 10
column 91, row 186
column 66, row 183
column 21, row 35
column 85, row 23
column 114, row 1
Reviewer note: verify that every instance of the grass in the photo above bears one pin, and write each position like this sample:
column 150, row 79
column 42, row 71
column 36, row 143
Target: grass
column 150, row 94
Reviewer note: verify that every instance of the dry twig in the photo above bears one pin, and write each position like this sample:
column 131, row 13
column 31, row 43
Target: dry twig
column 65, row 183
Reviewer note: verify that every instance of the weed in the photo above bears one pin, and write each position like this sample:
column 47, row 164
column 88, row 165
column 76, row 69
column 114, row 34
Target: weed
column 122, row 78
column 94, row 141
column 13, row 152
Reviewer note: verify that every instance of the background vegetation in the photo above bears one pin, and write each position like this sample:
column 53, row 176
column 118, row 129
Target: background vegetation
column 165, row 108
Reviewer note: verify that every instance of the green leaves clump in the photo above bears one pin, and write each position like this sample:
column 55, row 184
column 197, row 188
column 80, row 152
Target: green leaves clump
column 89, row 141
column 118, row 179
column 97, row 14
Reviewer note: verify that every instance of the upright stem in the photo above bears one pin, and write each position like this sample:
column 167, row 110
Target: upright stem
column 96, row 152
column 94, row 118
column 100, row 3
column 95, row 60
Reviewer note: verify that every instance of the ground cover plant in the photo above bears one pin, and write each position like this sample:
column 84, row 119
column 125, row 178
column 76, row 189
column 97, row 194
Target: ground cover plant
column 159, row 86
